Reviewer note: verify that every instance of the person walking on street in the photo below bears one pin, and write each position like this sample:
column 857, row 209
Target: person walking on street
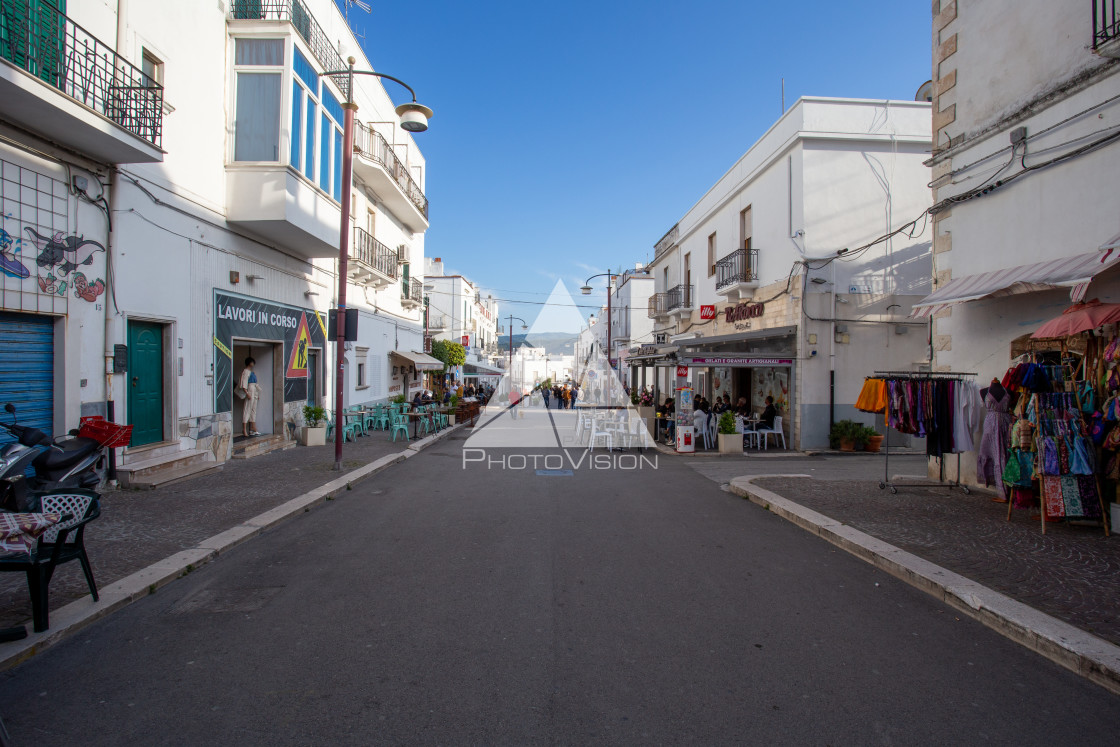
column 545, row 392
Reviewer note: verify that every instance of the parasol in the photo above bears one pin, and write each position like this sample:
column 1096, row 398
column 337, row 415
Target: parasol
column 1079, row 318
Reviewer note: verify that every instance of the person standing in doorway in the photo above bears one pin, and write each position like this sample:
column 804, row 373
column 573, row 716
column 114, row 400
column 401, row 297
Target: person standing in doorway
column 252, row 390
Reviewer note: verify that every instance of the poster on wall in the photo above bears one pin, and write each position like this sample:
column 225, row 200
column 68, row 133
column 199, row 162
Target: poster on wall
column 721, row 381
column 242, row 317
column 770, row 382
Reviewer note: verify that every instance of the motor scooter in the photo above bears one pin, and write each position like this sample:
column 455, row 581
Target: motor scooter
column 69, row 461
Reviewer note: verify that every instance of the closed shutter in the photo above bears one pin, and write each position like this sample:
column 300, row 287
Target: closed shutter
column 27, row 370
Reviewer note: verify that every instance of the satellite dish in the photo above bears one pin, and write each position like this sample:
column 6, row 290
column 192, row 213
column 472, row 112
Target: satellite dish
column 925, row 93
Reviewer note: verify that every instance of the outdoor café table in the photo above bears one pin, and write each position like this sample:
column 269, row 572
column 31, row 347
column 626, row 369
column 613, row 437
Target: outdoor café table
column 360, row 416
column 659, row 419
column 416, row 417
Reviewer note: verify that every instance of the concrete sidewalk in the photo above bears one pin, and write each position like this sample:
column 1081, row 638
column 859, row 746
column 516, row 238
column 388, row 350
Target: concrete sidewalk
column 139, row 528
column 1058, row 594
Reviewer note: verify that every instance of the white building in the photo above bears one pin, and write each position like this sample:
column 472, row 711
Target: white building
column 592, row 341
column 225, row 244
column 631, row 325
column 532, row 365
column 458, row 311
column 751, row 293
column 1025, row 173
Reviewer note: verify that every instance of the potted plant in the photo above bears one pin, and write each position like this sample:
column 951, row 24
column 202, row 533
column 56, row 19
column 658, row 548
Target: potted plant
column 872, row 439
column 400, row 399
column 452, row 403
column 643, row 400
column 844, row 435
column 313, row 432
column 730, row 442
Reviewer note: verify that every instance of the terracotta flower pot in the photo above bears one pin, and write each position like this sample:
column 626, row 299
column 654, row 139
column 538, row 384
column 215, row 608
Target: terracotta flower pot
column 847, row 444
column 873, row 443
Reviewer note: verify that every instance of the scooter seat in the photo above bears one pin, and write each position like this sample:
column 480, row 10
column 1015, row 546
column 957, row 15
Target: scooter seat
column 73, row 451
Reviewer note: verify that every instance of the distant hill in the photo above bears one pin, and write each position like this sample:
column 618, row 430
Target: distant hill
column 559, row 343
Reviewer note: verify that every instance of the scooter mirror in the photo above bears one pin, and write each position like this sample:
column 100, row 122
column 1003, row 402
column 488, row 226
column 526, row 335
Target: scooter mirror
column 10, row 408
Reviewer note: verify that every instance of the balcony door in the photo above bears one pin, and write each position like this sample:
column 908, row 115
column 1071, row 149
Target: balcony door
column 32, row 37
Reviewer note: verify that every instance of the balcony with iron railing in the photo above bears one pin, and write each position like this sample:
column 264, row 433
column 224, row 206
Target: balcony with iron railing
column 372, row 263
column 297, row 14
column 67, row 86
column 1106, row 28
column 378, row 164
column 679, row 299
column 737, row 272
column 412, row 293
column 658, row 305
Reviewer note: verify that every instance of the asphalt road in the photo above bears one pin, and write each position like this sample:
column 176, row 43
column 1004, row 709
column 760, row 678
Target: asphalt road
column 440, row 605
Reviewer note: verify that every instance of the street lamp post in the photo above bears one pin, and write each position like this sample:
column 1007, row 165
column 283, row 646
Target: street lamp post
column 523, row 326
column 586, row 290
column 414, row 118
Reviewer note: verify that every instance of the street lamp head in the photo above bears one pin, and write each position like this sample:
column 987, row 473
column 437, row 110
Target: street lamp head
column 585, row 290
column 524, row 327
column 414, row 117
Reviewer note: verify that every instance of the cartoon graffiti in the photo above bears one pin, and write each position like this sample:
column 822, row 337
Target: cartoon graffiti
column 84, row 289
column 51, row 284
column 64, row 253
column 9, row 265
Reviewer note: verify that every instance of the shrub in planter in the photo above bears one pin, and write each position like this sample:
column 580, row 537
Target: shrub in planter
column 314, row 429
column 871, row 439
column 730, row 442
column 845, row 434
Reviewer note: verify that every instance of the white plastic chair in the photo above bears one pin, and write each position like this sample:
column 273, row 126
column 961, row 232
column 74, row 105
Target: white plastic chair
column 749, row 436
column 776, row 432
column 599, row 431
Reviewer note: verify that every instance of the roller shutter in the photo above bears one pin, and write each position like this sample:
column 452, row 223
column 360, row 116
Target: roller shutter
column 27, row 370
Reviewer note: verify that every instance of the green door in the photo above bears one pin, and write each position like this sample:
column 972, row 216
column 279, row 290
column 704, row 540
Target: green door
column 145, row 382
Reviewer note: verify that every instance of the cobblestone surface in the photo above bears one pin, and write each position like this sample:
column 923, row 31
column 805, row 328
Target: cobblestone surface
column 139, row 527
column 1071, row 572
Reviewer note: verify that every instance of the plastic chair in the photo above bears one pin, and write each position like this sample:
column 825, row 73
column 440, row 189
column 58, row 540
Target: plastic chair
column 600, row 431
column 61, row 543
column 776, row 432
column 398, row 423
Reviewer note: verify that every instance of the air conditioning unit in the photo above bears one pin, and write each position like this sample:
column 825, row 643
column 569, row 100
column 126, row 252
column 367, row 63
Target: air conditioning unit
column 403, row 253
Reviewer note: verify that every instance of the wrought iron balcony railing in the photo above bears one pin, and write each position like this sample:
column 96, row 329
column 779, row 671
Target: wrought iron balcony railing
column 741, row 266
column 375, row 254
column 369, row 143
column 40, row 39
column 679, row 297
column 296, row 13
column 412, row 291
column 658, row 305
column 1106, row 22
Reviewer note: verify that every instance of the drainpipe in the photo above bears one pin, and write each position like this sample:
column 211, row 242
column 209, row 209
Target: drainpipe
column 112, row 333
column 832, row 356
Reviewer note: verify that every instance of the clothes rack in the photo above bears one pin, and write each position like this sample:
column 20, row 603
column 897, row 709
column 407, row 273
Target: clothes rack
column 922, row 376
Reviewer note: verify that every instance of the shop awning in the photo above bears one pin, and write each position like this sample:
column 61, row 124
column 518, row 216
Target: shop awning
column 422, row 361
column 481, row 368
column 1074, row 272
column 751, row 336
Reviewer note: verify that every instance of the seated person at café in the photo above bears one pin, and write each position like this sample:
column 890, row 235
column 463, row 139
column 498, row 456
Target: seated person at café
column 668, row 412
column 418, row 399
column 719, row 407
column 768, row 415
column 742, row 408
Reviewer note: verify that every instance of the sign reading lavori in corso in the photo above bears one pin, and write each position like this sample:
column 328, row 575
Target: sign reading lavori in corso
column 253, row 319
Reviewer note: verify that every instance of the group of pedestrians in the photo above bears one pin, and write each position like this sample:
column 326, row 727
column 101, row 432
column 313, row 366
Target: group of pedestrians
column 565, row 396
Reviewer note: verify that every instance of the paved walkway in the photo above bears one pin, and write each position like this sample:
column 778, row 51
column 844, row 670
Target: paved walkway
column 140, row 527
column 1071, row 572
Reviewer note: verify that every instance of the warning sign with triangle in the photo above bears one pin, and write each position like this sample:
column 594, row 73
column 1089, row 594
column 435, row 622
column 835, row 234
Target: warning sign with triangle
column 297, row 363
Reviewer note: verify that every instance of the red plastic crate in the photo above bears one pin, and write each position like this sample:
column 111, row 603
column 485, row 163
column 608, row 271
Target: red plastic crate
column 112, row 435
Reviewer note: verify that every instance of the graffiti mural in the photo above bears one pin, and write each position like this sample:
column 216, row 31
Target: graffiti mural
column 86, row 290
column 10, row 264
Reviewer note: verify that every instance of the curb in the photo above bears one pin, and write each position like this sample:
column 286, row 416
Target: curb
column 1091, row 657
column 73, row 617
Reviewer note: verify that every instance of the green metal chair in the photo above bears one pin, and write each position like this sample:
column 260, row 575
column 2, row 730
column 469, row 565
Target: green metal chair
column 349, row 429
column 398, row 424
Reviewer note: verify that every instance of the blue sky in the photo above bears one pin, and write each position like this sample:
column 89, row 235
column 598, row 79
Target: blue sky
column 568, row 137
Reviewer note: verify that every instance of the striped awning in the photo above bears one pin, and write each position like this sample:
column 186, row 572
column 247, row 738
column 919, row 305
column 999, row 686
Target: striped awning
column 1074, row 272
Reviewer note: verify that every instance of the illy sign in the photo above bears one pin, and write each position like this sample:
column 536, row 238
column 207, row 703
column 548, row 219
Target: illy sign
column 708, row 312
column 743, row 311
column 682, row 372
